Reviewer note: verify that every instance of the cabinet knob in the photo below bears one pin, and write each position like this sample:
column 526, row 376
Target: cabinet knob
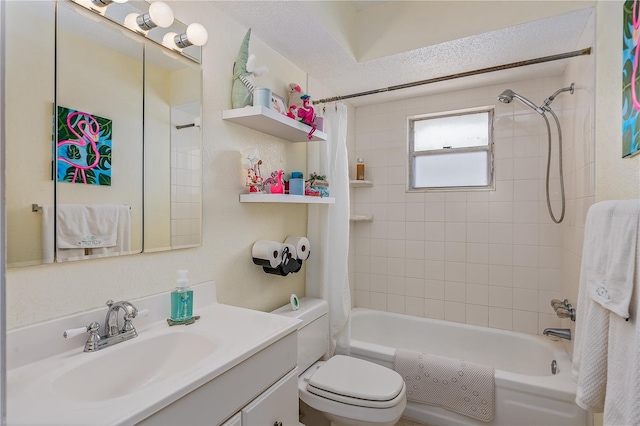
column 277, row 424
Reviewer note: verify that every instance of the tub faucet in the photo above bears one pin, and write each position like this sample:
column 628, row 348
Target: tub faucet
column 563, row 333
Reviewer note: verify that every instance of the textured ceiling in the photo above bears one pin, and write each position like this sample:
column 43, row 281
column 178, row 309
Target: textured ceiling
column 323, row 58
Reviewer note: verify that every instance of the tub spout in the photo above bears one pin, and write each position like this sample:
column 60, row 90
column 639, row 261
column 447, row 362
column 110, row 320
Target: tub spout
column 563, row 333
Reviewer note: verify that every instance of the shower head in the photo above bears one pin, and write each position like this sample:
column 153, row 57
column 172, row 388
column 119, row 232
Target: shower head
column 550, row 99
column 507, row 96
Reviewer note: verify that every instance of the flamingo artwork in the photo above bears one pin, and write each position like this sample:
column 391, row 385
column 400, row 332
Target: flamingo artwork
column 83, row 149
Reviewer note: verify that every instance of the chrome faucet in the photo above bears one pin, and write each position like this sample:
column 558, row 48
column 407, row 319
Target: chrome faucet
column 563, row 333
column 113, row 334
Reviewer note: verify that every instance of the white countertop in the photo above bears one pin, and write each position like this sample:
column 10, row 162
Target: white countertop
column 239, row 333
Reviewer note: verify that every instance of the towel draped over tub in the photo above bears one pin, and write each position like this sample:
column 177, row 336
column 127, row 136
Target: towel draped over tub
column 450, row 383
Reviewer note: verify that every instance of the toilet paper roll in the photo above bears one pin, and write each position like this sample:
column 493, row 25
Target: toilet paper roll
column 267, row 253
column 302, row 246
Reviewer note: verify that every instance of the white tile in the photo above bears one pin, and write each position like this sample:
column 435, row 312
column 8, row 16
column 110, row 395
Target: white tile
column 415, row 250
column 501, row 233
column 525, row 212
column 477, row 212
column 395, row 285
column 550, row 235
column 454, row 291
column 525, row 300
column 378, row 301
column 363, row 247
column 363, row 264
column 525, row 277
column 456, row 211
column 378, row 283
column 415, row 212
column 455, row 271
column 362, row 281
column 396, row 267
column 525, row 256
column 501, row 212
column 378, row 247
column 415, row 268
column 503, row 170
column 414, row 197
column 525, row 322
column 414, row 231
column 500, row 275
column 477, row 294
column 477, row 253
column 414, row 306
column 547, row 321
column 434, row 270
column 477, row 196
column 455, row 232
column 434, row 250
column 525, row 234
column 396, row 230
column 375, row 229
column 378, row 265
column 455, row 252
column 503, row 192
column 396, row 248
column 435, row 197
column 434, row 289
column 500, row 318
column 397, row 175
column 380, row 211
column 544, row 301
column 550, row 279
column 434, row 212
column 501, row 297
column 454, row 311
column 477, row 232
column 434, row 231
column 500, row 254
column 477, row 273
column 525, row 168
column 455, row 196
column 362, row 299
column 396, row 212
column 526, row 190
column 550, row 257
column 396, row 193
column 434, row 309
column 395, row 303
column 477, row 315
column 414, row 287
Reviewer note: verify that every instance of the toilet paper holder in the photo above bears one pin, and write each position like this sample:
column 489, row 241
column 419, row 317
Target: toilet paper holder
column 289, row 260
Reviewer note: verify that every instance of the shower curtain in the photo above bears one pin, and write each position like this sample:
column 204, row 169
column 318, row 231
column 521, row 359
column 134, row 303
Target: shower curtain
column 327, row 275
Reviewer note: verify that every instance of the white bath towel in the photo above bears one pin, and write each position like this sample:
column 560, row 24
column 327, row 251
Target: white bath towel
column 86, row 226
column 450, row 383
column 123, row 234
column 611, row 231
column 606, row 357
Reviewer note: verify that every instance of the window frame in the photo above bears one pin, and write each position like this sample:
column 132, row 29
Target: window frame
column 413, row 154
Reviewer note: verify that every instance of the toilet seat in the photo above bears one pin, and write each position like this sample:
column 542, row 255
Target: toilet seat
column 357, row 382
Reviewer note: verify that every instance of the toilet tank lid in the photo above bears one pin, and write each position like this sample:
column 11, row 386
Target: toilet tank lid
column 310, row 310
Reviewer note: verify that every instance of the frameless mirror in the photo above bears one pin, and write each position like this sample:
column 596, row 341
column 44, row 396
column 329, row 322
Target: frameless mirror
column 120, row 100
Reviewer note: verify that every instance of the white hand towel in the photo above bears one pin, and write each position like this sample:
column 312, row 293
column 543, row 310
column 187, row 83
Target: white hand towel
column 86, row 226
column 123, row 241
column 609, row 253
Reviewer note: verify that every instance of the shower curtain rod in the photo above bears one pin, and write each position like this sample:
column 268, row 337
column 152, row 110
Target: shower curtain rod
column 586, row 51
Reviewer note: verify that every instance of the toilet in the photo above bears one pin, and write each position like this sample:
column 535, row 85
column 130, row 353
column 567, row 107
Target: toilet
column 348, row 391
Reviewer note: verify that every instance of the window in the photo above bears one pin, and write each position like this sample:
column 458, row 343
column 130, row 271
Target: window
column 452, row 150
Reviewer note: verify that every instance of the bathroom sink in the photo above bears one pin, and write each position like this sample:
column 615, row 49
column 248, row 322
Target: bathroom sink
column 120, row 370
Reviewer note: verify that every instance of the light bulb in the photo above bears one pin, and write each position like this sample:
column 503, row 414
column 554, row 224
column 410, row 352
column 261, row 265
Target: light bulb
column 195, row 35
column 161, row 14
column 168, row 41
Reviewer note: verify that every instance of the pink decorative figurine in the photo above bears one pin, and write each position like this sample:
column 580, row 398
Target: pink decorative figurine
column 274, row 183
column 307, row 115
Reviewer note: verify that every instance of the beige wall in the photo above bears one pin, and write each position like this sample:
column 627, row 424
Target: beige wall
column 616, row 177
column 229, row 228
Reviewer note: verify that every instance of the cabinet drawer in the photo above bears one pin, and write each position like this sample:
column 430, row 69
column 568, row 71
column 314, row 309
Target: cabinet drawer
column 277, row 405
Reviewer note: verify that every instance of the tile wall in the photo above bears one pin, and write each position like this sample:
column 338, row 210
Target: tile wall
column 489, row 258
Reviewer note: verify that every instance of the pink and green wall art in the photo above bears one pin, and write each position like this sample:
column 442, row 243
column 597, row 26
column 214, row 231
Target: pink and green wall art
column 83, row 149
column 630, row 81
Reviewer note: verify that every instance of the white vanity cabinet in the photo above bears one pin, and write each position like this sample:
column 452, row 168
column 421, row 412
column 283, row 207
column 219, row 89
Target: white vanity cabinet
column 263, row 389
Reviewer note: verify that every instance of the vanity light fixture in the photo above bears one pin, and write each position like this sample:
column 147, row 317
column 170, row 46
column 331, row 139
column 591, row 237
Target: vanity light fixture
column 159, row 15
column 196, row 35
column 97, row 5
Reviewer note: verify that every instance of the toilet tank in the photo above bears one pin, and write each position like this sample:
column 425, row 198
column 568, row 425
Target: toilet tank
column 313, row 332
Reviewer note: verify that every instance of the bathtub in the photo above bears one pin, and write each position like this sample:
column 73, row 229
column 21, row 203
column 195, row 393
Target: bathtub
column 527, row 393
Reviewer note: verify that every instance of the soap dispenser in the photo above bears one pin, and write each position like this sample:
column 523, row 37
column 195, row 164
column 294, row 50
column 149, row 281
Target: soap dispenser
column 182, row 298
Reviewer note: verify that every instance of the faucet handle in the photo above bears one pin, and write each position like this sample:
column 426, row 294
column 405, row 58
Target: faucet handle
column 93, row 327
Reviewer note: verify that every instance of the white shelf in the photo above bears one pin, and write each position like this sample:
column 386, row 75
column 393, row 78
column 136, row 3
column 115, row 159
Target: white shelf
column 285, row 198
column 273, row 123
column 361, row 218
column 360, row 183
